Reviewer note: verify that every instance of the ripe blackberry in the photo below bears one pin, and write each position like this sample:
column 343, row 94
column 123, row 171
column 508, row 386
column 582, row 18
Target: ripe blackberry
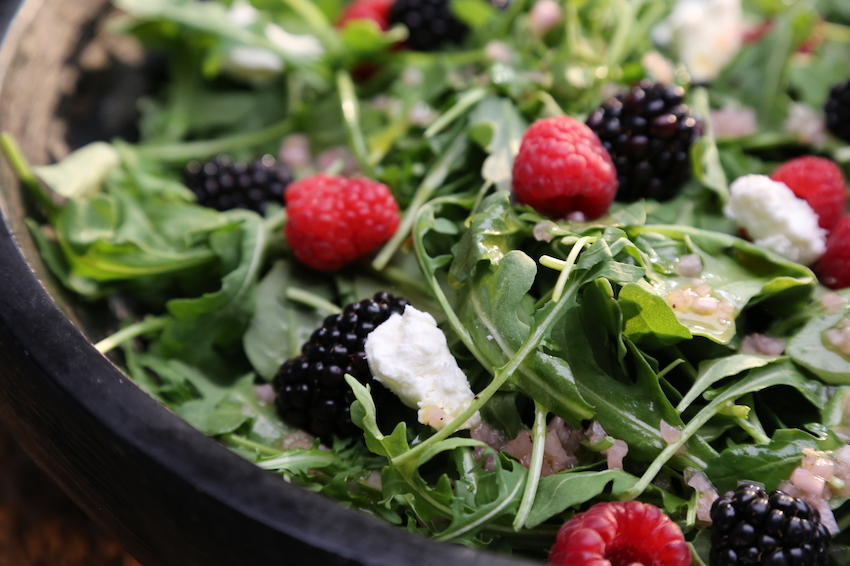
column 224, row 184
column 750, row 527
column 837, row 111
column 430, row 23
column 649, row 133
column 312, row 393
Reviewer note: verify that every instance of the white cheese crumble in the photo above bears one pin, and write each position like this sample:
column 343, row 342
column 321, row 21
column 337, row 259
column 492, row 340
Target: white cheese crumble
column 775, row 218
column 706, row 34
column 410, row 356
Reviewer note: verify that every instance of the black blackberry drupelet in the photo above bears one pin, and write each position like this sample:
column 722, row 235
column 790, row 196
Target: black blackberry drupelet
column 749, row 527
column 312, row 393
column 837, row 111
column 430, row 23
column 224, row 184
column 648, row 132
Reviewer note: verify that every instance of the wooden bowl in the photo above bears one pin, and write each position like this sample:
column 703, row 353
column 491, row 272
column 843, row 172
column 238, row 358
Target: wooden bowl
column 171, row 495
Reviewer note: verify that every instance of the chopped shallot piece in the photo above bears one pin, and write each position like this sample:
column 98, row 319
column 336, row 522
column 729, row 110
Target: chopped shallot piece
column 615, row 454
column 843, row 454
column 762, row 345
column 832, row 302
column 298, row 439
column 543, row 231
column 707, row 494
column 808, row 482
column 689, row 265
column 265, row 394
column 827, row 518
column 595, row 432
column 669, row 433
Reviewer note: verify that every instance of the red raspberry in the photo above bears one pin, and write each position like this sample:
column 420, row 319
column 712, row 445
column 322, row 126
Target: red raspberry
column 818, row 181
column 563, row 168
column 334, row 220
column 627, row 533
column 376, row 10
column 833, row 267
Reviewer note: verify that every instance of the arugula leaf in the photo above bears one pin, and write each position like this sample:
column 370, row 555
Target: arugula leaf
column 559, row 492
column 770, row 464
column 809, row 349
column 279, row 326
column 82, row 172
column 202, row 325
column 497, row 126
column 648, row 318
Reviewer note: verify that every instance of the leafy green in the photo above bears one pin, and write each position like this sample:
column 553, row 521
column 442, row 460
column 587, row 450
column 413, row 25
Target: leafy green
column 770, row 464
column 811, row 349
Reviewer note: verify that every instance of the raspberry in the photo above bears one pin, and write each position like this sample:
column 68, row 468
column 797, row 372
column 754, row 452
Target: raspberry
column 818, row 181
column 648, row 133
column 621, row 534
column 376, row 10
column 837, row 111
column 334, row 220
column 750, row 527
column 562, row 168
column 223, row 184
column 312, row 393
column 833, row 268
column 430, row 23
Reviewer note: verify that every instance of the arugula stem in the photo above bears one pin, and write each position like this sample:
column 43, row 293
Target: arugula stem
column 438, row 293
column 311, row 300
column 23, row 171
column 535, row 466
column 670, row 450
column 617, row 46
column 567, row 266
column 148, row 325
column 242, row 442
column 205, row 148
column 320, row 25
column 502, row 374
column 423, row 193
column 351, row 117
column 466, row 101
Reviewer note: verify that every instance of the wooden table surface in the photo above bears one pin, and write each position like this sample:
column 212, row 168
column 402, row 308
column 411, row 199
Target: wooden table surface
column 40, row 526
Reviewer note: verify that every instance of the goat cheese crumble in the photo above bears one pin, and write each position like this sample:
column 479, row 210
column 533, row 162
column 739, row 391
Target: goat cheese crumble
column 410, row 356
column 706, row 34
column 775, row 218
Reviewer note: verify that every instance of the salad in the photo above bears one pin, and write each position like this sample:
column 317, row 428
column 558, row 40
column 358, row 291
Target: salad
column 534, row 276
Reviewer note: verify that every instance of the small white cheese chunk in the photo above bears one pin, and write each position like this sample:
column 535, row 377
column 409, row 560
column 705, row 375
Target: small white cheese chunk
column 775, row 218
column 410, row 356
column 707, row 35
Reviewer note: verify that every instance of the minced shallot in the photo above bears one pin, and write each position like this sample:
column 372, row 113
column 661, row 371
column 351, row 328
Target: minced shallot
column 762, row 345
column 707, row 493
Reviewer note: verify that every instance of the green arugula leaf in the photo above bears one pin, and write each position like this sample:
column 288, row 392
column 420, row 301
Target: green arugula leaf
column 648, row 318
column 202, row 325
column 770, row 464
column 82, row 172
column 497, row 126
column 559, row 492
column 279, row 326
column 809, row 349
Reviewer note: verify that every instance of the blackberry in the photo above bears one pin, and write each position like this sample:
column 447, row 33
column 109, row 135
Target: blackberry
column 224, row 184
column 750, row 527
column 312, row 393
column 648, row 132
column 430, row 23
column 837, row 111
